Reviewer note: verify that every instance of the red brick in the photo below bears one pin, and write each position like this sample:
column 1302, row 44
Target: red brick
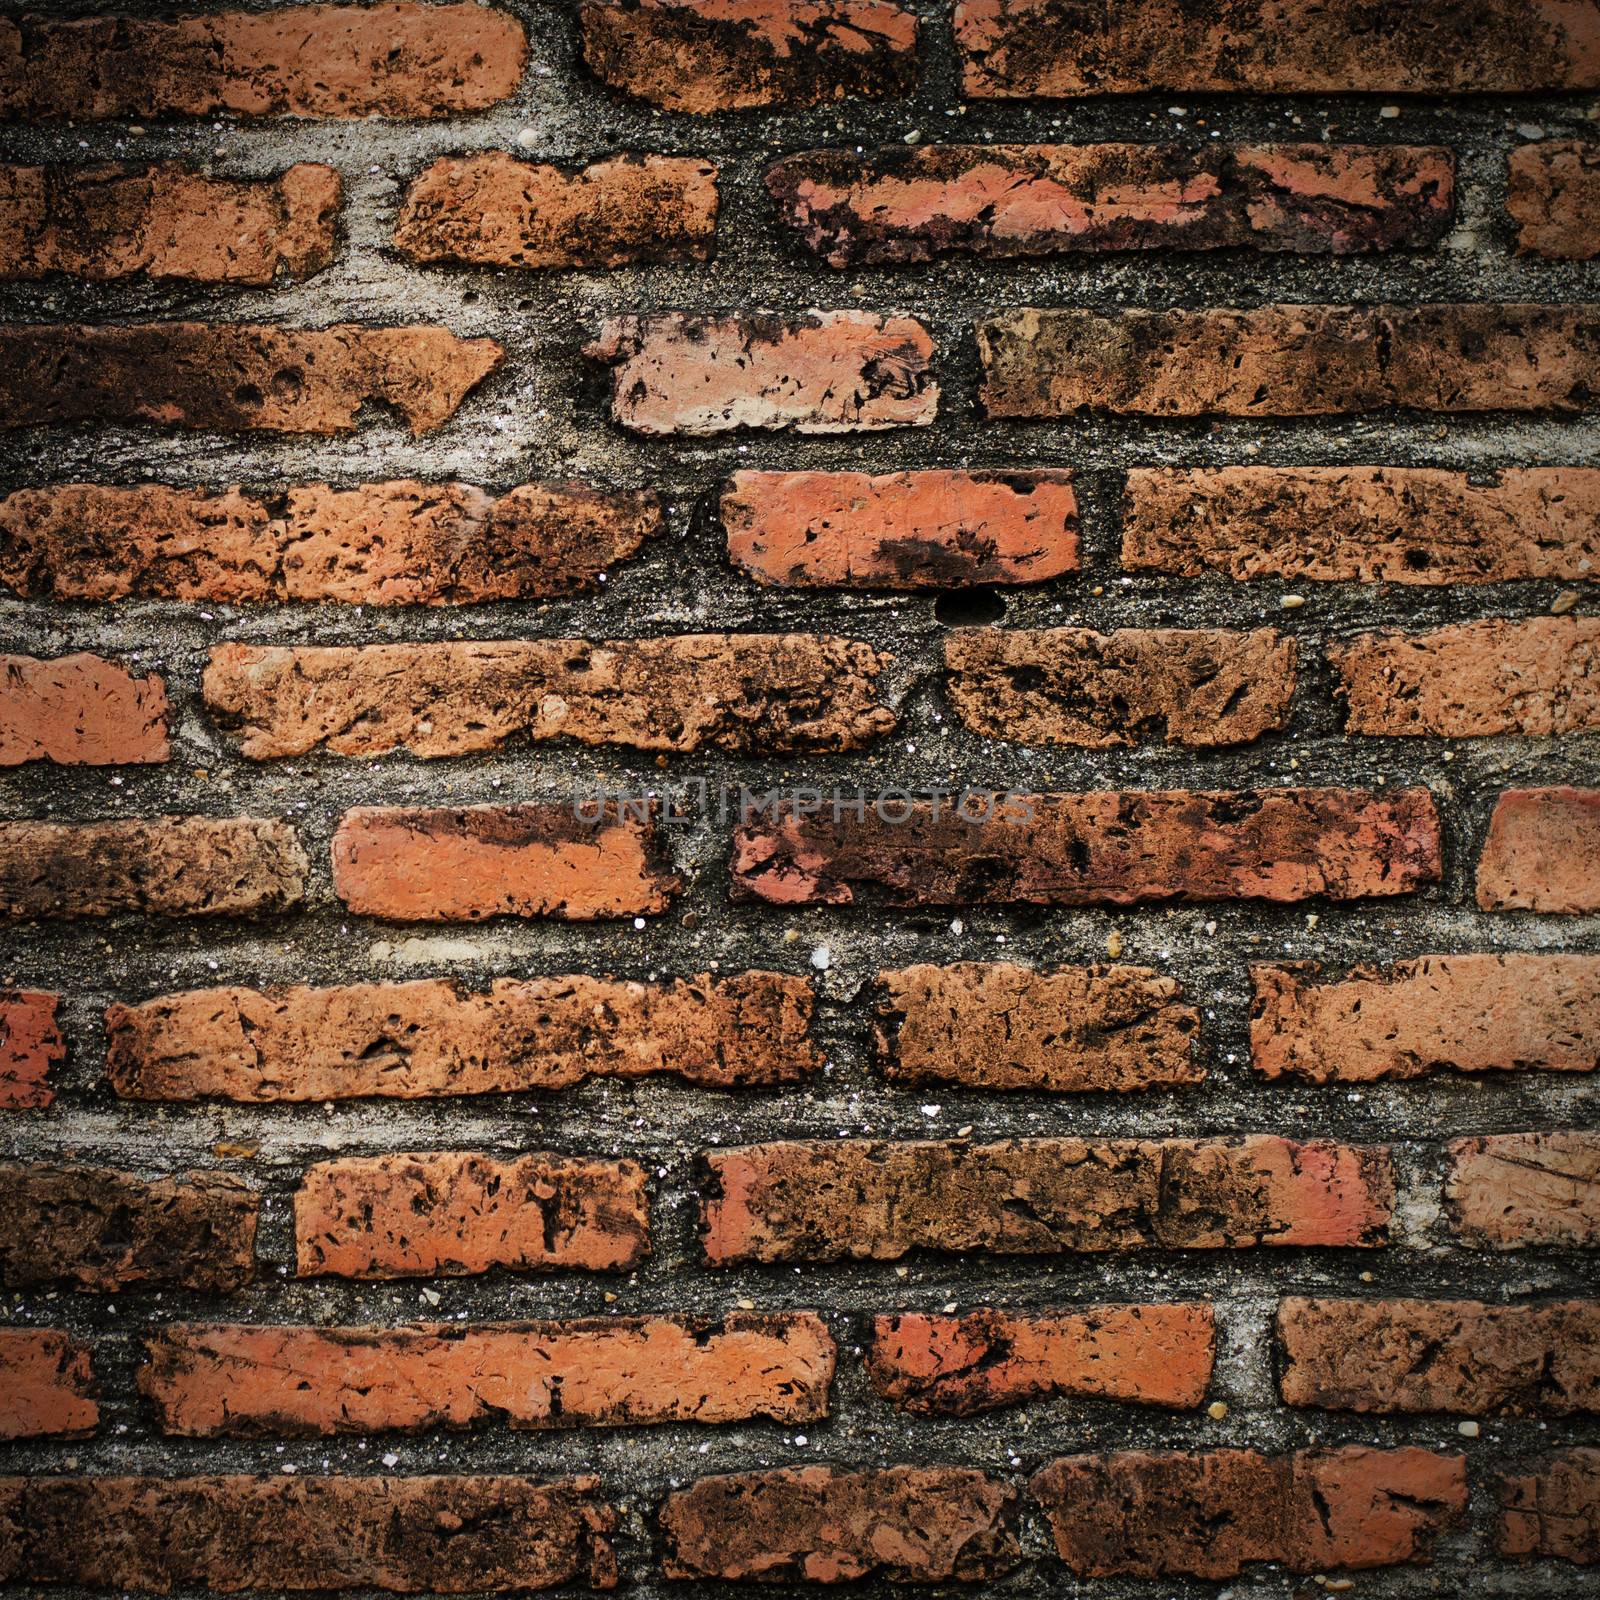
column 821, row 1525
column 453, row 1214
column 741, row 693
column 473, row 862
column 1553, row 195
column 1457, row 1356
column 1542, row 852
column 1406, row 525
column 900, row 530
column 1015, row 48
column 236, row 377
column 1158, row 1355
column 161, row 866
column 1000, row 1026
column 111, row 220
column 704, row 56
column 377, row 544
column 1212, row 1513
column 393, row 60
column 1109, row 848
column 1464, row 1013
column 1201, row 687
column 453, row 1534
column 494, row 210
column 48, row 1385
column 1511, row 1191
column 912, row 203
column 80, row 711
column 1539, row 676
column 610, row 1372
column 410, row 1041
column 1291, row 360
column 861, row 1199
column 101, row 1230
column 31, row 1046
column 815, row 372
column 1552, row 1509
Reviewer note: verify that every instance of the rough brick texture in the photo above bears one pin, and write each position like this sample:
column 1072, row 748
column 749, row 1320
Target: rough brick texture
column 395, row 59
column 834, row 746
column 493, row 210
column 901, row 530
column 466, row 864
column 1552, row 1509
column 1441, row 1355
column 454, row 1534
column 1540, row 677
column 820, row 372
column 1109, row 848
column 80, row 711
column 451, row 1215
column 377, row 544
column 1542, row 852
column 1060, row 48
column 161, row 866
column 237, row 377
column 433, row 1038
column 729, row 55
column 1509, row 1191
column 860, row 1199
column 1071, row 686
column 1213, row 1513
column 1158, row 1355
column 737, row 692
column 1553, row 195
column 900, row 205
column 996, row 1025
column 205, row 1380
column 113, row 221
column 48, row 1385
column 819, row 1525
column 101, row 1230
column 1291, row 360
column 31, row 1047
column 1408, row 525
column 1466, row 1013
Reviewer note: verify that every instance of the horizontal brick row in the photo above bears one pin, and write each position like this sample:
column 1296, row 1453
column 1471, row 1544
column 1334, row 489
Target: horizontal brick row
column 458, row 1213
column 410, row 543
column 1386, row 1357
column 403, row 59
column 901, row 530
column 754, row 692
column 981, row 1025
column 695, row 375
column 169, row 220
column 591, row 858
column 1208, row 1514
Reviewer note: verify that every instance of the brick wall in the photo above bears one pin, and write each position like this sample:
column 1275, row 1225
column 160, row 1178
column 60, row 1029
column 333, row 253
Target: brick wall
column 1174, row 420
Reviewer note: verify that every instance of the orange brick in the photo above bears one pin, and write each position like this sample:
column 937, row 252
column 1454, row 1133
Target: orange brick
column 80, row 711
column 206, row 1380
column 455, row 1214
